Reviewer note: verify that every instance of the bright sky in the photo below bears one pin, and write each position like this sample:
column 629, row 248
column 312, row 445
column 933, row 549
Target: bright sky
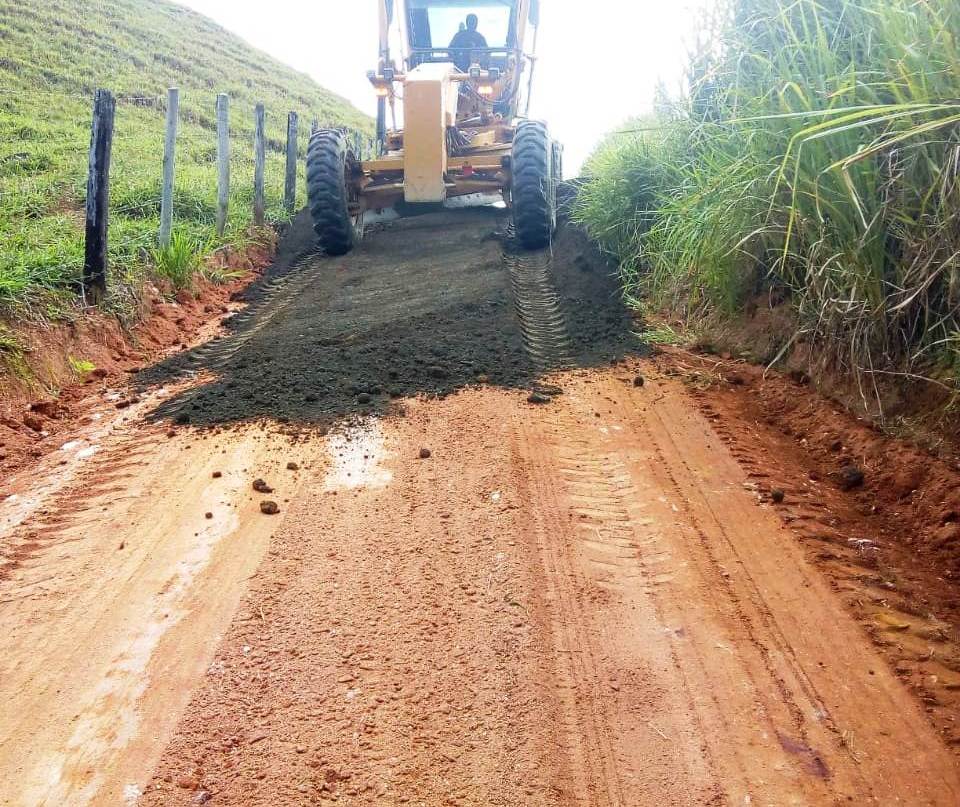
column 599, row 59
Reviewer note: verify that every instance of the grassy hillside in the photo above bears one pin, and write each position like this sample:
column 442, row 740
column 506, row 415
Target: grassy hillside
column 814, row 161
column 53, row 54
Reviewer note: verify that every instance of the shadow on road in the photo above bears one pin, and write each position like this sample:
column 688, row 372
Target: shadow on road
column 422, row 307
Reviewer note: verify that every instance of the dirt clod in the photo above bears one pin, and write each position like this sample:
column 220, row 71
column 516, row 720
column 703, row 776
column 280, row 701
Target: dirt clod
column 850, row 477
column 208, row 516
column 260, row 486
column 292, row 466
column 539, row 398
column 217, row 474
column 33, row 422
column 269, row 508
column 47, row 409
column 947, row 535
column 639, row 381
column 425, row 453
column 778, row 495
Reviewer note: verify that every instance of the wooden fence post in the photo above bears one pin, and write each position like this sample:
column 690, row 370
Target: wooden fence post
column 169, row 164
column 98, row 198
column 290, row 186
column 259, row 159
column 223, row 161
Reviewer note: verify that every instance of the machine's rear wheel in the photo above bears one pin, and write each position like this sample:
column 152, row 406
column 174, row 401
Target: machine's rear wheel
column 327, row 191
column 534, row 185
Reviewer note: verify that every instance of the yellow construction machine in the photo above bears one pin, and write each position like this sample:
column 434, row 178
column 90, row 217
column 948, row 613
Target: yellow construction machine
column 454, row 76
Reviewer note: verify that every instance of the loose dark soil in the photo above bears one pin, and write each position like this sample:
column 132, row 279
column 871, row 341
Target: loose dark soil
column 422, row 307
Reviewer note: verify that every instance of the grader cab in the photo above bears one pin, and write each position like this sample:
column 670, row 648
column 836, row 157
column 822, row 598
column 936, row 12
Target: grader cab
column 453, row 88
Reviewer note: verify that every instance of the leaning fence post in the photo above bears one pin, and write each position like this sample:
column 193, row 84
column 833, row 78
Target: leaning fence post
column 98, row 198
column 290, row 186
column 259, row 158
column 223, row 161
column 169, row 164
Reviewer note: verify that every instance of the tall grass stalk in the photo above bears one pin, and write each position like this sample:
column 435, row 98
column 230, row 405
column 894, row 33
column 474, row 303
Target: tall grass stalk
column 817, row 151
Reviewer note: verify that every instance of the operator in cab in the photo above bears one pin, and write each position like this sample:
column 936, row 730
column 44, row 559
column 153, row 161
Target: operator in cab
column 466, row 41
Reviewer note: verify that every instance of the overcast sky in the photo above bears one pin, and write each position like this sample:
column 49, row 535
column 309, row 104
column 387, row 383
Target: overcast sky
column 599, row 59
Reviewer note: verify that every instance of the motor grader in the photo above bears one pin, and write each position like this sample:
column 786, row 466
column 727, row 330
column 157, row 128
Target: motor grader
column 454, row 77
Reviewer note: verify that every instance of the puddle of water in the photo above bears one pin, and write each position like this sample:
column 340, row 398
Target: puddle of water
column 356, row 459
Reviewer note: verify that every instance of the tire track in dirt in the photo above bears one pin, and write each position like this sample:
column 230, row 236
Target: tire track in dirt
column 657, row 525
column 586, row 736
column 625, row 702
column 273, row 297
column 610, row 749
column 722, row 643
column 539, row 310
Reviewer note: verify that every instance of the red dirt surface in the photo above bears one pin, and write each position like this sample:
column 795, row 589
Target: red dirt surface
column 891, row 547
column 584, row 603
column 666, row 582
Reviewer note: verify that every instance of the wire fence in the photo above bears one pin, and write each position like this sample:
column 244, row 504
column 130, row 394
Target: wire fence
column 46, row 175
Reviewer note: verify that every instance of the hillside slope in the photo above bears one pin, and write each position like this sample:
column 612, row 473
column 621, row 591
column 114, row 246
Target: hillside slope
column 53, row 55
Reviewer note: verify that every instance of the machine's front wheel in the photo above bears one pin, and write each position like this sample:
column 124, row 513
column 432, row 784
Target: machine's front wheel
column 534, row 188
column 327, row 191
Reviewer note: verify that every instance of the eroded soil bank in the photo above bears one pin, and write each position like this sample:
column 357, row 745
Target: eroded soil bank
column 60, row 373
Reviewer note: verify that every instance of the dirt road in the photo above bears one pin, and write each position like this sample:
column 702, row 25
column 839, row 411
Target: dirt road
column 467, row 598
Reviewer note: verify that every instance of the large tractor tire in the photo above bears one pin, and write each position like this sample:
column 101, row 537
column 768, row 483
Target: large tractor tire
column 327, row 191
column 534, row 189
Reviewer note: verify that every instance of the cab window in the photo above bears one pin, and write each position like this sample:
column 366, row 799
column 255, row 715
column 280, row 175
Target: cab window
column 434, row 23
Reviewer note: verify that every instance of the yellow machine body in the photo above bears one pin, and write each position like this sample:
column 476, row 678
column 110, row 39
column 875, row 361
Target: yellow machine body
column 458, row 122
column 430, row 103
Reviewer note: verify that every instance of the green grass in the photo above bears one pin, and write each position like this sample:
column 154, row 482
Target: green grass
column 82, row 367
column 815, row 158
column 53, row 55
column 181, row 259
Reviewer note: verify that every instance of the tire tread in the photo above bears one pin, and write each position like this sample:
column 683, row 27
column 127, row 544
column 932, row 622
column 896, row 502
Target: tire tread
column 327, row 191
